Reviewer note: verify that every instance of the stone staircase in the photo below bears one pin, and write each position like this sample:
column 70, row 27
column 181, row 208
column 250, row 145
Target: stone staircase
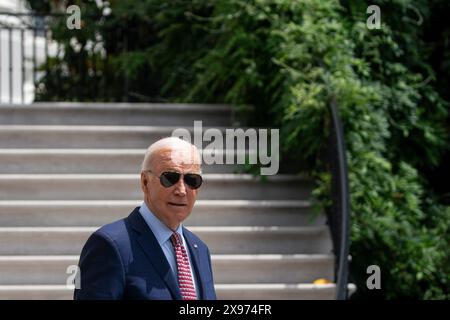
column 66, row 169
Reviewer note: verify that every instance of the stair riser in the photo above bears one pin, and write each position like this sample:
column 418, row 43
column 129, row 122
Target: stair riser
column 232, row 271
column 86, row 163
column 272, row 271
column 112, row 116
column 71, row 243
column 79, row 139
column 310, row 294
column 129, row 189
column 202, row 215
column 98, row 138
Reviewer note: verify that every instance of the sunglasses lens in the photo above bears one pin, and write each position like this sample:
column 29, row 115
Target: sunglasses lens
column 168, row 179
column 193, row 180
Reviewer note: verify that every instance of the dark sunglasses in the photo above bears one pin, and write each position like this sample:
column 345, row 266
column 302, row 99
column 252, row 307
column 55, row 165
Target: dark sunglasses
column 169, row 178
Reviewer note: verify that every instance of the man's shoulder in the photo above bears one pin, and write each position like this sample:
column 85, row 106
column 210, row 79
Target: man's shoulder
column 114, row 230
column 117, row 233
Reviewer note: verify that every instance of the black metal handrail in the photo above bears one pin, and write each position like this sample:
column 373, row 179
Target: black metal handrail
column 339, row 218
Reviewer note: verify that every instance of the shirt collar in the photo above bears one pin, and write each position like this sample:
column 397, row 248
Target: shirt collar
column 159, row 229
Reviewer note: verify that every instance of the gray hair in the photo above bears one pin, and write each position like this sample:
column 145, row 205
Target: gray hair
column 162, row 144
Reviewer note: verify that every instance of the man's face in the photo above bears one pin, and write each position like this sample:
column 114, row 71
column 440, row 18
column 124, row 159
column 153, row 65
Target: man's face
column 171, row 205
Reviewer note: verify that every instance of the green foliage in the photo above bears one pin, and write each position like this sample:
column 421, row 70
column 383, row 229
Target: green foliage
column 288, row 59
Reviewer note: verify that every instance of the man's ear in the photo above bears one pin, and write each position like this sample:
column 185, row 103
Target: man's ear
column 144, row 182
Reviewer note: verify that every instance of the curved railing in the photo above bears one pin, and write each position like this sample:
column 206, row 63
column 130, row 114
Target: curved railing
column 339, row 216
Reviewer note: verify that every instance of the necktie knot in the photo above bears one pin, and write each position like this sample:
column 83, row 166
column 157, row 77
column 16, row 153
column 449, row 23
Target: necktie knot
column 176, row 239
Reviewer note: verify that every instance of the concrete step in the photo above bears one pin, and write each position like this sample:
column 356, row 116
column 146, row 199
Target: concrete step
column 53, row 213
column 220, row 240
column 93, row 137
column 66, row 113
column 127, row 187
column 18, row 161
column 224, row 292
column 275, row 291
column 44, row 136
column 276, row 268
column 33, row 270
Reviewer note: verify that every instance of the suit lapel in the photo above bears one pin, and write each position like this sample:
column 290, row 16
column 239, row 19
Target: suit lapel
column 153, row 251
column 195, row 255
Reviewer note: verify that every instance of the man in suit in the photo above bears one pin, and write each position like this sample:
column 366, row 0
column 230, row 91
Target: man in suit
column 150, row 254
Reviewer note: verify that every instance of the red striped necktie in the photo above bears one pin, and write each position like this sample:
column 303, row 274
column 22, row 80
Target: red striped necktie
column 184, row 270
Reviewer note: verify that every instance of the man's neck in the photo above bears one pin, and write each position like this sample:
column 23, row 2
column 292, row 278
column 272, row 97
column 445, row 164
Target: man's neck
column 152, row 210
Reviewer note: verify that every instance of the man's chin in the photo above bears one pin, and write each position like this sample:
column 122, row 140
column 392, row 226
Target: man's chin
column 181, row 211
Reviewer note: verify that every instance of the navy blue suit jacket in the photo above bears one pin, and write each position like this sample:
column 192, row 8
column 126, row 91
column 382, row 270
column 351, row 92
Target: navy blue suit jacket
column 123, row 260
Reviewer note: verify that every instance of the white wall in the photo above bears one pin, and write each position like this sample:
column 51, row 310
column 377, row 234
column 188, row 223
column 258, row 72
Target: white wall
column 12, row 5
column 18, row 6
